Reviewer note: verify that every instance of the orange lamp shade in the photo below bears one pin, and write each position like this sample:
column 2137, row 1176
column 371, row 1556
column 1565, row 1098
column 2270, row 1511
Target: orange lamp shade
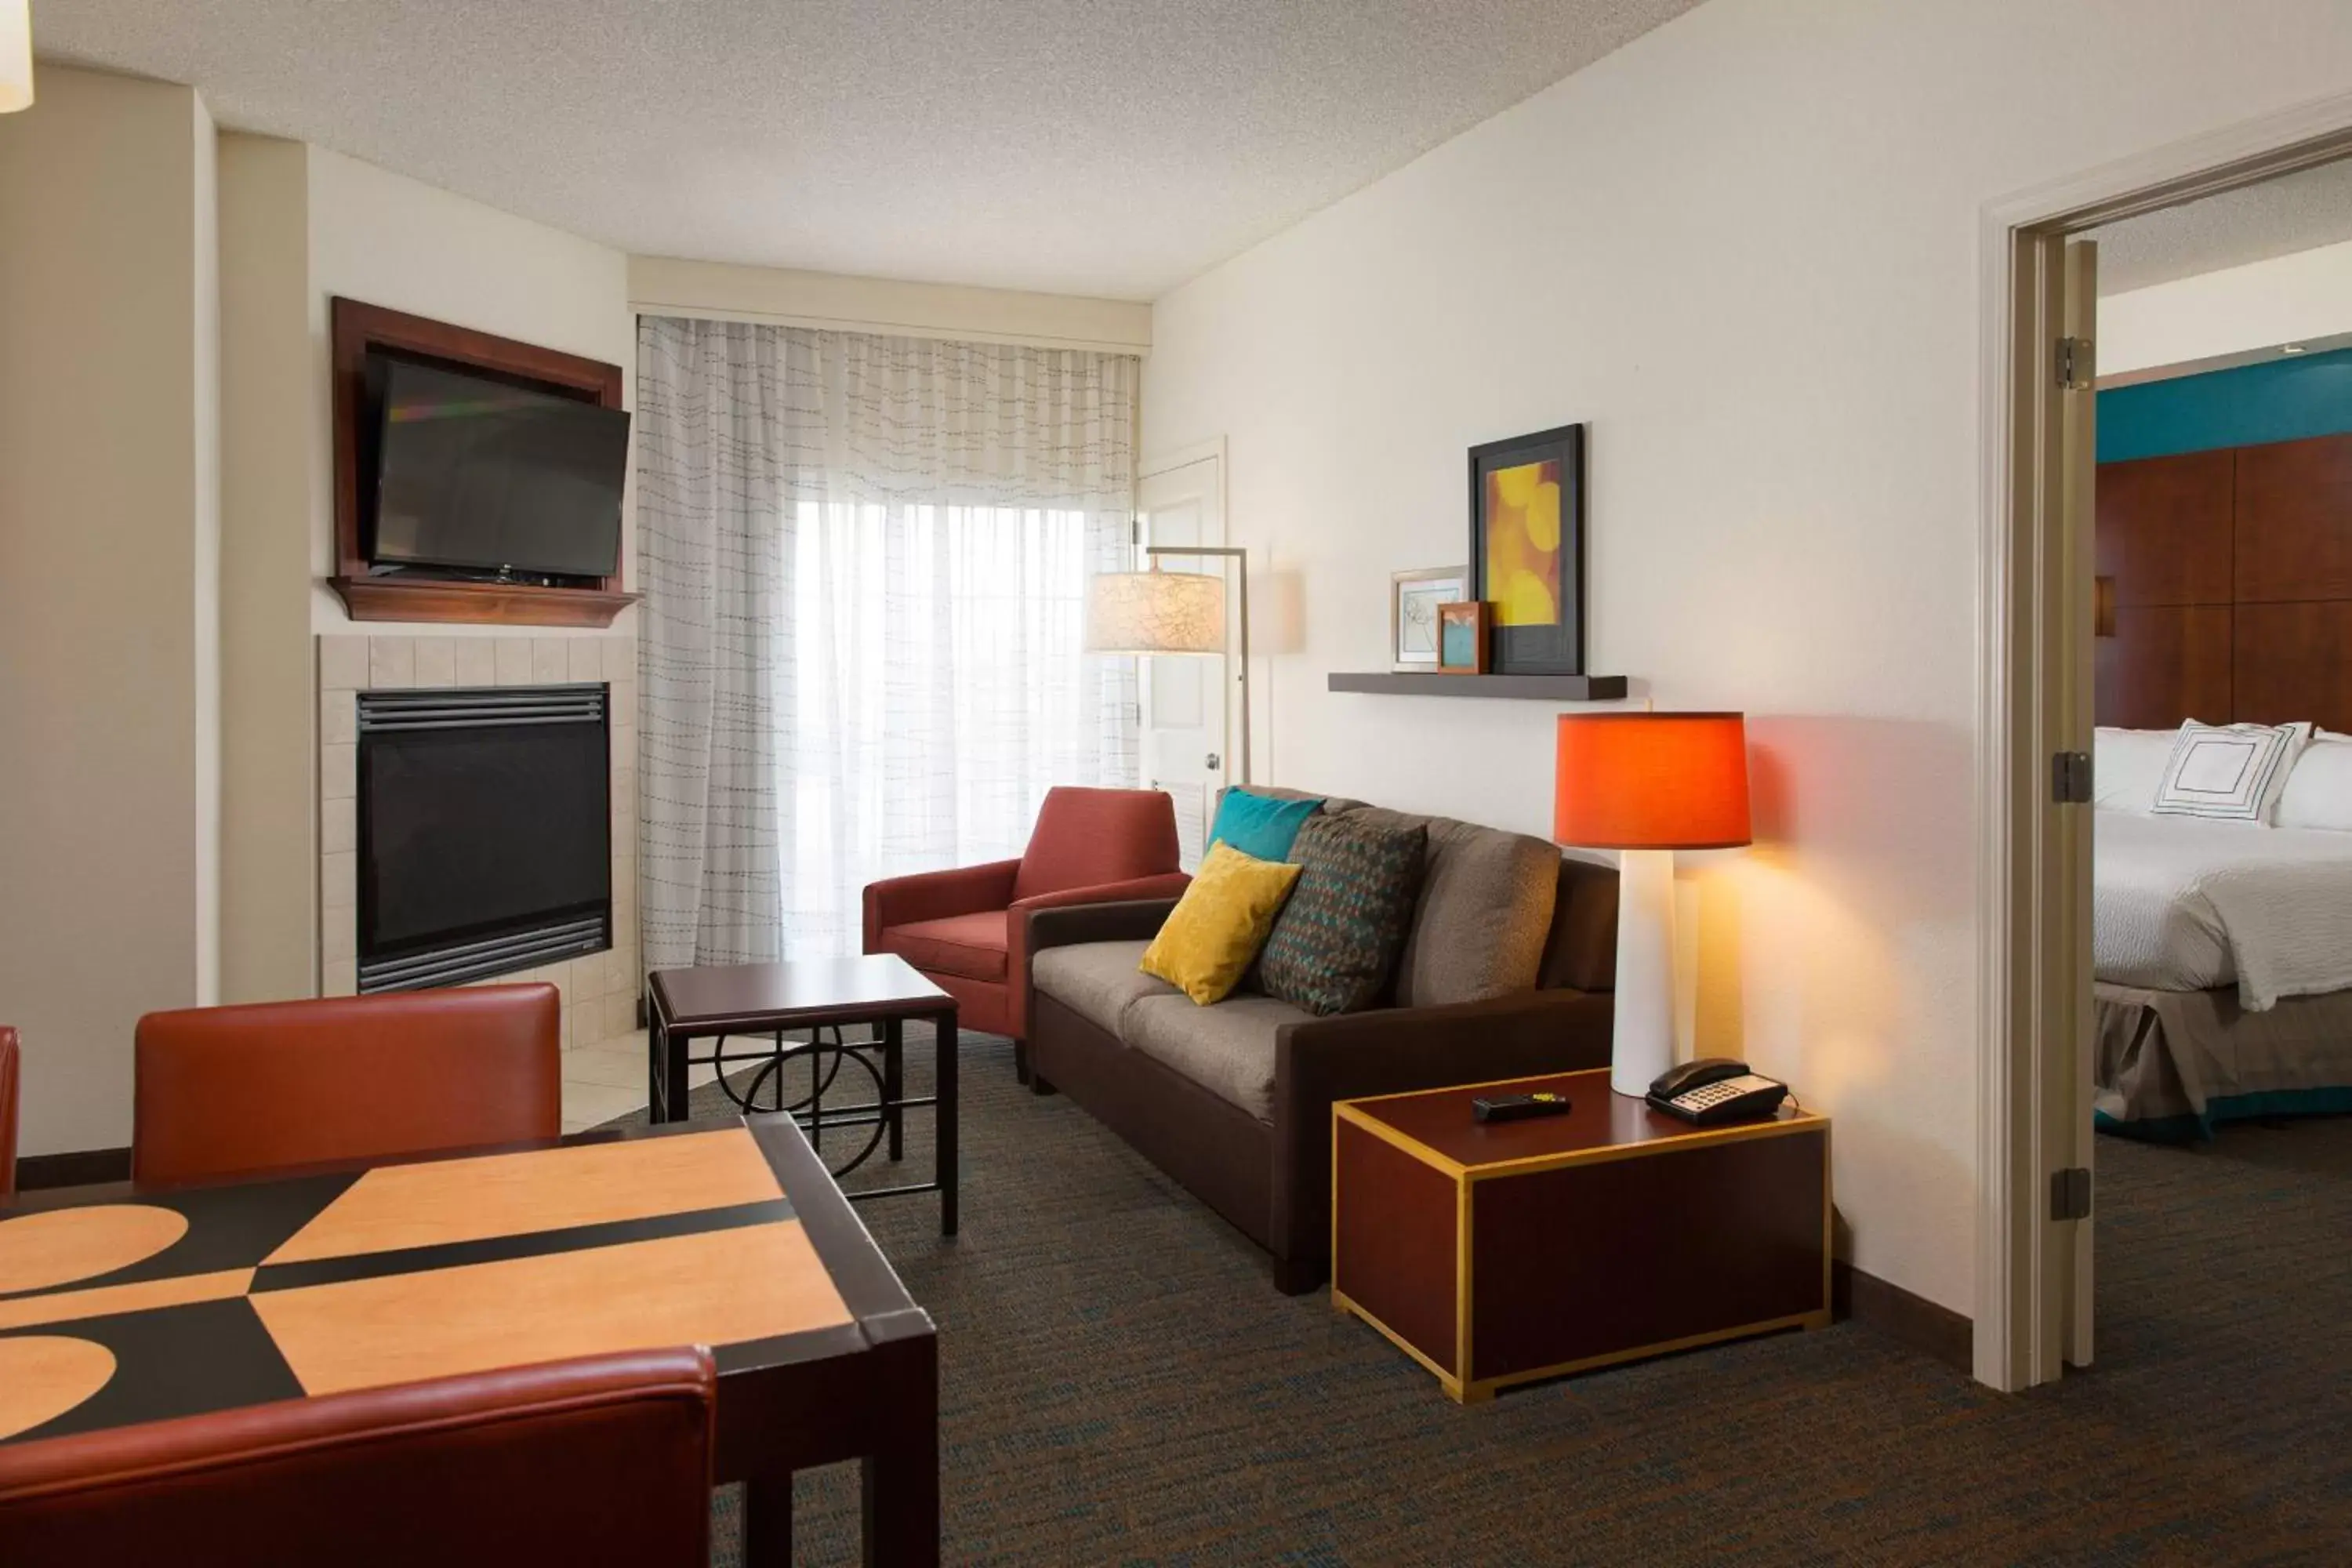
column 1652, row 781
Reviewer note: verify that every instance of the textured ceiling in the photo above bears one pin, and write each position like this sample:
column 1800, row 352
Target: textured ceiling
column 1104, row 147
column 2277, row 217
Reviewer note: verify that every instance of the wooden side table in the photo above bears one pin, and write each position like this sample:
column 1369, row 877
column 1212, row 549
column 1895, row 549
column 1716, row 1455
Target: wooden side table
column 712, row 1001
column 1495, row 1255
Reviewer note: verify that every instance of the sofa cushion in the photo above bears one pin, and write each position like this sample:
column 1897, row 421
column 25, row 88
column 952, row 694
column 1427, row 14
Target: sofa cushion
column 1335, row 945
column 1484, row 912
column 969, row 945
column 1098, row 981
column 1227, row 1049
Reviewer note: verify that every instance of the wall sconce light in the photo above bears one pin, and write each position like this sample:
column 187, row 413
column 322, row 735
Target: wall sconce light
column 2102, row 606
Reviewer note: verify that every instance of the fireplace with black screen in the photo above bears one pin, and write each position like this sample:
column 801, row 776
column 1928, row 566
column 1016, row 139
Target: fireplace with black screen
column 484, row 832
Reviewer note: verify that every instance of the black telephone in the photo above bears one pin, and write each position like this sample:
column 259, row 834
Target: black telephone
column 1715, row 1090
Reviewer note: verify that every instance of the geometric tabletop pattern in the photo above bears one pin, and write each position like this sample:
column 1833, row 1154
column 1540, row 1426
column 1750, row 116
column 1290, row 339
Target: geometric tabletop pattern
column 175, row 1303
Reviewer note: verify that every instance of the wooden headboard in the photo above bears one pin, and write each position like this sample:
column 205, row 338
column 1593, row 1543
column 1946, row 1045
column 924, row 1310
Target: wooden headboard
column 2232, row 574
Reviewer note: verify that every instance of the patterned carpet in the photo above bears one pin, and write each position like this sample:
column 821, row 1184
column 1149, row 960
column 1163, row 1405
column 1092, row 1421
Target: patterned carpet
column 1120, row 1384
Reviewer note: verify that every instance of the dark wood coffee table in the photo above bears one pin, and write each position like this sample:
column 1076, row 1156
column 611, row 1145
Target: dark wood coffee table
column 882, row 989
column 1495, row 1255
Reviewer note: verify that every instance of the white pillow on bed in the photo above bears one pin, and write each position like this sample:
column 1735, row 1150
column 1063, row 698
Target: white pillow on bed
column 2126, row 765
column 2319, row 791
column 2229, row 772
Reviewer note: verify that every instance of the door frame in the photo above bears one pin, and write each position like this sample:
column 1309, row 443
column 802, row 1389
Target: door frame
column 2032, row 982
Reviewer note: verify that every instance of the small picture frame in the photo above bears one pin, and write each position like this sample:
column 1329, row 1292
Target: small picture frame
column 1414, row 601
column 1464, row 635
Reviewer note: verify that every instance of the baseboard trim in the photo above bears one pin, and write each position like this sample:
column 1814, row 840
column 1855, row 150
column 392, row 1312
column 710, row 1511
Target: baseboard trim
column 1934, row 1330
column 81, row 1168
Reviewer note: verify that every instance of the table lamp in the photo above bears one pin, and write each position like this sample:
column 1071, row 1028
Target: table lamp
column 1648, row 785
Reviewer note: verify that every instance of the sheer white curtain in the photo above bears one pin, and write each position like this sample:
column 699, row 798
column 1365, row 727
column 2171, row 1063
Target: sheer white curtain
column 927, row 514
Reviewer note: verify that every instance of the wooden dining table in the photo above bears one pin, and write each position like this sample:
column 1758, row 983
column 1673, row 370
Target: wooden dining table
column 122, row 1304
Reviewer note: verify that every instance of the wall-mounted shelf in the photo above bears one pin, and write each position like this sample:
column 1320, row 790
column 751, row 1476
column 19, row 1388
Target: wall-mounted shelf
column 1533, row 688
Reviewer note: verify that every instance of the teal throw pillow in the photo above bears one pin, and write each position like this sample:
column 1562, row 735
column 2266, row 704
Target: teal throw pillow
column 1336, row 943
column 1260, row 826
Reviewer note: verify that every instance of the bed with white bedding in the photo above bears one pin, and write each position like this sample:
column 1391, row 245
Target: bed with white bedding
column 2183, row 905
column 2222, row 951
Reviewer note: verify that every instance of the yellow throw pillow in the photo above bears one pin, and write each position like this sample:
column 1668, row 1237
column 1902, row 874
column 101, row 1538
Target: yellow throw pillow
column 1217, row 926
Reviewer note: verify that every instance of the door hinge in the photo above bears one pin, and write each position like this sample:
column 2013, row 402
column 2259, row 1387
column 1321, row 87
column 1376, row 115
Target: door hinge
column 2078, row 366
column 2070, row 1193
column 2070, row 778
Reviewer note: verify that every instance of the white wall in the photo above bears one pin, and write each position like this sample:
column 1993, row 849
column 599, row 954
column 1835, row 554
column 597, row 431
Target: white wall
column 2217, row 315
column 393, row 241
column 108, row 587
column 1745, row 250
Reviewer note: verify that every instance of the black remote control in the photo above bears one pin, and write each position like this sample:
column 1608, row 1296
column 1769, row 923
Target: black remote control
column 1518, row 1107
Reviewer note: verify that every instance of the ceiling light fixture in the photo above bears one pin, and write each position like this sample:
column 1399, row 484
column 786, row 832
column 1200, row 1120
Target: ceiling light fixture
column 15, row 55
column 2293, row 349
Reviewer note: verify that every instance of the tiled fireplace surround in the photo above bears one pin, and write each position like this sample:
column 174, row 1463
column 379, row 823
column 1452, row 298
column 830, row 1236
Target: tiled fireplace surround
column 600, row 990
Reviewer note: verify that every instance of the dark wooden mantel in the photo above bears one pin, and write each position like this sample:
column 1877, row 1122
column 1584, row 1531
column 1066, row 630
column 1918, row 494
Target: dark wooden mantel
column 357, row 327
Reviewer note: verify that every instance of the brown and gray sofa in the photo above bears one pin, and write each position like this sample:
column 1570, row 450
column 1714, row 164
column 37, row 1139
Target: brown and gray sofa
column 1506, row 972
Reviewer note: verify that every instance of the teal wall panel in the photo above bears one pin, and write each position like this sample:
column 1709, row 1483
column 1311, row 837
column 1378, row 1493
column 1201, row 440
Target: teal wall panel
column 2284, row 399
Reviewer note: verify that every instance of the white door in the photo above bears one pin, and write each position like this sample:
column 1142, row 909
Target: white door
column 1185, row 732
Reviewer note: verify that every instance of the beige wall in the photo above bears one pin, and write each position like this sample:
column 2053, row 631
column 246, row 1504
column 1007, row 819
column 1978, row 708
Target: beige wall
column 2216, row 315
column 663, row 286
column 267, row 907
column 302, row 226
column 1745, row 250
column 393, row 241
column 107, row 590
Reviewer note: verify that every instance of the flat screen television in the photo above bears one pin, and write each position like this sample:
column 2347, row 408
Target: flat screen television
column 476, row 474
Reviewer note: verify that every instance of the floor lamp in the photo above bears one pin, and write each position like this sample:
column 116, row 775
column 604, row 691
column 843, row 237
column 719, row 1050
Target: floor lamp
column 1170, row 612
column 1648, row 785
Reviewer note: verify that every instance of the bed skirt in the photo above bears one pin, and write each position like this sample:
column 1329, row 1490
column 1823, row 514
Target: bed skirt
column 2174, row 1064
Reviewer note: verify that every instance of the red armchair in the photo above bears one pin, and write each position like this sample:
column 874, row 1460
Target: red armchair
column 965, row 927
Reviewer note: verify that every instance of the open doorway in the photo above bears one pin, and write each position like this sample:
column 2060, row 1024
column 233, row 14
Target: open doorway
column 2173, row 956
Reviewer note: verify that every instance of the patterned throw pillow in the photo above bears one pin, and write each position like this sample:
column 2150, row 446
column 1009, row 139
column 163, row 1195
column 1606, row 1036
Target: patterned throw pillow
column 2229, row 772
column 1335, row 942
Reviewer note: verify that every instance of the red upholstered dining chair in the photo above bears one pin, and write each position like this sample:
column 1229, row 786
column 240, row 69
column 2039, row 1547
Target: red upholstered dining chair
column 7, row 1111
column 964, row 928
column 603, row 1460
column 225, row 1090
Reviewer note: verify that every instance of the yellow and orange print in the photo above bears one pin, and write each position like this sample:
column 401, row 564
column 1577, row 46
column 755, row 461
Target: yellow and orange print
column 1522, row 524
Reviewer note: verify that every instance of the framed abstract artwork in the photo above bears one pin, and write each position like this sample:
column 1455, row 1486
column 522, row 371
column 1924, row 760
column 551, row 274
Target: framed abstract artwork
column 1526, row 549
column 1414, row 601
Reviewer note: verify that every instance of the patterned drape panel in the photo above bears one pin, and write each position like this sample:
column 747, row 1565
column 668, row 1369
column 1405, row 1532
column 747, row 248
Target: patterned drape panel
column 864, row 562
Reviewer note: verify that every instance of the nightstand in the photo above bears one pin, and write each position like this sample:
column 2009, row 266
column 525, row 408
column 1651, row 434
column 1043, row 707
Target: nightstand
column 1498, row 1254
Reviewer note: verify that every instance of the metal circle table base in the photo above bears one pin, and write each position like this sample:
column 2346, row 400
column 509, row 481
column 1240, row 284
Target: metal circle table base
column 826, row 1058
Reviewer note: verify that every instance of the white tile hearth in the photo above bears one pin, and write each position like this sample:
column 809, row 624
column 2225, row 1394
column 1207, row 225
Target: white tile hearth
column 608, row 1078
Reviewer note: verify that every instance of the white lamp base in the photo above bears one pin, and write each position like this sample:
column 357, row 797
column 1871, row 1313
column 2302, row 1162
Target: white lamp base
column 1644, row 1044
